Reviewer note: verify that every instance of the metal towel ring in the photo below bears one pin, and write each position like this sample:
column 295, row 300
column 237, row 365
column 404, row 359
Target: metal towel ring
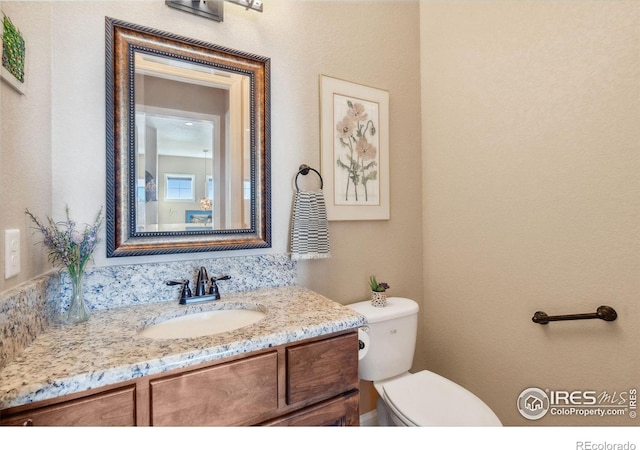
column 304, row 170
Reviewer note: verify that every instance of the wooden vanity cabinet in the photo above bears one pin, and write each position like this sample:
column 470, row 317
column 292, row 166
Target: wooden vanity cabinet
column 224, row 395
column 321, row 369
column 114, row 407
column 340, row 411
column 308, row 383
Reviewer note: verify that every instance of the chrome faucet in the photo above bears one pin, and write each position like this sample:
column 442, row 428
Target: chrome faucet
column 202, row 294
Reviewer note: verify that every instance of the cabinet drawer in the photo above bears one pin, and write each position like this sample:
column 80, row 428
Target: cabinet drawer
column 111, row 408
column 322, row 369
column 339, row 411
column 225, row 395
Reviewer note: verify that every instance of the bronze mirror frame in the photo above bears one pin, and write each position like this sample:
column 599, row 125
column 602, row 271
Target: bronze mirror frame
column 122, row 41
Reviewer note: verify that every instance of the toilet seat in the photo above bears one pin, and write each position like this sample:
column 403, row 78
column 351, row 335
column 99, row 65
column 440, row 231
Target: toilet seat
column 427, row 399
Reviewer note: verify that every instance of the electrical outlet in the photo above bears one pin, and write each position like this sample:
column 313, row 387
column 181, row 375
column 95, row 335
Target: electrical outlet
column 11, row 253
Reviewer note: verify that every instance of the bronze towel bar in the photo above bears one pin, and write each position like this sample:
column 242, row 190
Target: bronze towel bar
column 603, row 312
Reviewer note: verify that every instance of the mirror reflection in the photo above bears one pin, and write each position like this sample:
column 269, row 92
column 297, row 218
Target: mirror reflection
column 192, row 146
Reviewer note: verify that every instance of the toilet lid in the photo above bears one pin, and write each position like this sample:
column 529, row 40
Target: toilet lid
column 427, row 399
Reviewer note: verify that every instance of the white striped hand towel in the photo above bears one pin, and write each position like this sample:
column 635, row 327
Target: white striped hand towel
column 309, row 226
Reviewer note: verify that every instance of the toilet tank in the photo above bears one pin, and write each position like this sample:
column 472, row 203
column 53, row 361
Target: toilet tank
column 392, row 337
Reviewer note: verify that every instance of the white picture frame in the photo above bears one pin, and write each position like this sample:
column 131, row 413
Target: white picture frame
column 354, row 130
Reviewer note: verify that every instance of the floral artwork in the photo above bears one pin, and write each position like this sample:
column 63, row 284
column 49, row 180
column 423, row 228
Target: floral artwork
column 354, row 126
column 356, row 151
column 13, row 50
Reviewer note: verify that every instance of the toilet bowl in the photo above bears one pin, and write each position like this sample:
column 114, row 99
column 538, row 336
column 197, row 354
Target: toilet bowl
column 427, row 399
column 411, row 399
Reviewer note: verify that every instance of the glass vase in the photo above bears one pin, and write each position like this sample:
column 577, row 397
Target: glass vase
column 78, row 311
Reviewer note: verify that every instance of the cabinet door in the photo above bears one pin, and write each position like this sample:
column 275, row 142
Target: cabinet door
column 226, row 395
column 322, row 369
column 111, row 408
column 340, row 411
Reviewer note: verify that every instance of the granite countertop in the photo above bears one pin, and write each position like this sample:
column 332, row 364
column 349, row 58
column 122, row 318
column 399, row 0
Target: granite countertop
column 107, row 349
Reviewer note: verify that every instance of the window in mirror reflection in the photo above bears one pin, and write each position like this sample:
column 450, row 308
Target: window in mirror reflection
column 210, row 188
column 179, row 187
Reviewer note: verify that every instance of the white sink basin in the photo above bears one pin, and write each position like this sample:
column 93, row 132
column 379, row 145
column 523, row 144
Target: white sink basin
column 202, row 324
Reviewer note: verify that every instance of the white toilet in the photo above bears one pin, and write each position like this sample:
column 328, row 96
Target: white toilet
column 410, row 399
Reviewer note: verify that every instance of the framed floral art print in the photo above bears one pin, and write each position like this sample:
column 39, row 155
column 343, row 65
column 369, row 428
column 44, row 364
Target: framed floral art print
column 354, row 128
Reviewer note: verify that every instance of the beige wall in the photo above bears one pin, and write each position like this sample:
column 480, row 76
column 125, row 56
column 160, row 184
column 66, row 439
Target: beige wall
column 531, row 136
column 25, row 139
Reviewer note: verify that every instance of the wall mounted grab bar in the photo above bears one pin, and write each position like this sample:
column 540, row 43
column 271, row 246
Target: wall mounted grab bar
column 603, row 312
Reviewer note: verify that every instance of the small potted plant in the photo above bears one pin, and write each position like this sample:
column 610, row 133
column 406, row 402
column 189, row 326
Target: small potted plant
column 378, row 292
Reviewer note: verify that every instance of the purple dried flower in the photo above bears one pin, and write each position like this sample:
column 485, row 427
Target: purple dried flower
column 67, row 246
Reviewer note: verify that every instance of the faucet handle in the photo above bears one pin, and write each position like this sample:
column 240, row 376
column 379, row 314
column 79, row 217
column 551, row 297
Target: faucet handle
column 185, row 293
column 213, row 287
column 220, row 277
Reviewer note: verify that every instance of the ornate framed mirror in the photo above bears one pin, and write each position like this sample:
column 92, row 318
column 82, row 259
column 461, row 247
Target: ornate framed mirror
column 188, row 144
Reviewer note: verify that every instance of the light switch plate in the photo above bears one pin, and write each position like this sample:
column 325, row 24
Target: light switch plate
column 11, row 253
